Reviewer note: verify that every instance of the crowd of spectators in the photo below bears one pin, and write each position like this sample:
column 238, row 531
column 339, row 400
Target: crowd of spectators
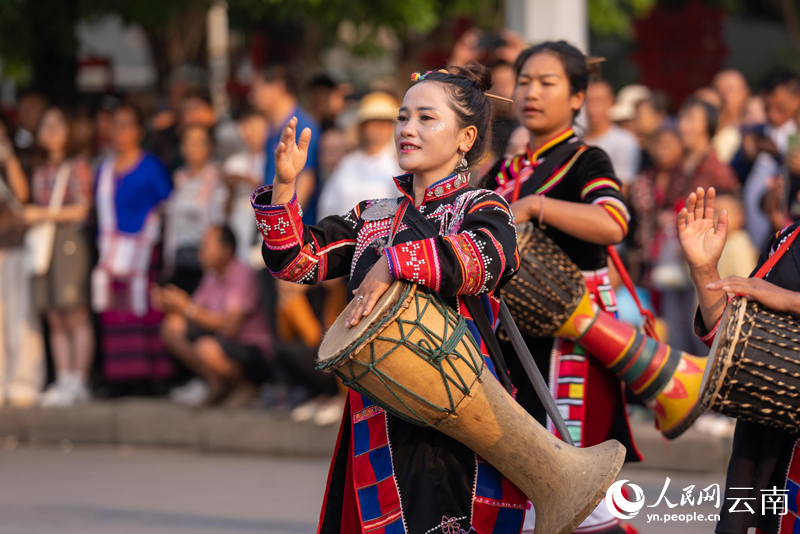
column 130, row 259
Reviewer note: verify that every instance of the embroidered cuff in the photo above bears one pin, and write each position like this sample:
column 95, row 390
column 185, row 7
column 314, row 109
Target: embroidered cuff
column 392, row 261
column 415, row 261
column 700, row 328
column 281, row 225
column 472, row 260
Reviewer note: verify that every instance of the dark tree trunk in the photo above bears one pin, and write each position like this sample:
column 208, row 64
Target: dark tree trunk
column 178, row 42
column 792, row 22
column 54, row 47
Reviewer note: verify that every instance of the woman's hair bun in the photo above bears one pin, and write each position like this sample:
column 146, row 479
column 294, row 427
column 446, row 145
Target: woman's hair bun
column 466, row 87
column 475, row 72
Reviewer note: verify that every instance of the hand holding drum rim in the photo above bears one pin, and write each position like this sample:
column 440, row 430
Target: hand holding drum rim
column 702, row 241
column 770, row 295
column 290, row 159
column 371, row 289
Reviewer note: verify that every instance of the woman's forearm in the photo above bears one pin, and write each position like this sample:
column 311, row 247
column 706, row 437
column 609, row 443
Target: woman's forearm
column 585, row 221
column 70, row 214
column 282, row 193
column 710, row 302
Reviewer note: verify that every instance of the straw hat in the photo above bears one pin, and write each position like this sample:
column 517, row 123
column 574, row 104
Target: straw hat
column 377, row 106
column 627, row 99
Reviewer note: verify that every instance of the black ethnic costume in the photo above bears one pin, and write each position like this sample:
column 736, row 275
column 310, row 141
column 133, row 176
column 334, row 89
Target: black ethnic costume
column 763, row 457
column 389, row 476
column 589, row 396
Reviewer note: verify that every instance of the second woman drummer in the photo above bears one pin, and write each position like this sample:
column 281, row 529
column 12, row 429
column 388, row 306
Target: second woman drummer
column 575, row 197
column 388, row 475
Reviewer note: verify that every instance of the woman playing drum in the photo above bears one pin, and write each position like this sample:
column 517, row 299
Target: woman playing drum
column 763, row 458
column 388, row 475
column 576, row 198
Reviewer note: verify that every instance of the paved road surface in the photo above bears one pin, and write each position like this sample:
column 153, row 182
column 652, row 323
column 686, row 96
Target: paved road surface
column 112, row 490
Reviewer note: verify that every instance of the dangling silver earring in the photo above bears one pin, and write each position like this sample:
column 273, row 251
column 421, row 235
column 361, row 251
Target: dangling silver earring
column 464, row 167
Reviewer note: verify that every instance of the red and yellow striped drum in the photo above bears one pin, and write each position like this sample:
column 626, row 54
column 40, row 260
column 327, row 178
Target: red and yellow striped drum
column 666, row 379
column 548, row 297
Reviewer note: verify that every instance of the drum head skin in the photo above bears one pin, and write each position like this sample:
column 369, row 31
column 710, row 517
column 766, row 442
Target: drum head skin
column 718, row 355
column 340, row 339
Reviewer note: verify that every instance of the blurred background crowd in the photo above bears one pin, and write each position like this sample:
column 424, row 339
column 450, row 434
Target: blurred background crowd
column 131, row 138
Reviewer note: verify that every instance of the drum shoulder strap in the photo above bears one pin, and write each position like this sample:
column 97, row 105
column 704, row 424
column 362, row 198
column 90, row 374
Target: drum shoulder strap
column 425, row 230
column 557, row 157
column 778, row 254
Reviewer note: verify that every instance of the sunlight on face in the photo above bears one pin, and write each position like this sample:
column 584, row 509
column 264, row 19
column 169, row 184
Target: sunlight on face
column 427, row 131
column 195, row 145
column 53, row 130
column 542, row 99
column 692, row 126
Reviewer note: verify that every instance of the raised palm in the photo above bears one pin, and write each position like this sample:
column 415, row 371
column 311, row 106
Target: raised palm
column 291, row 155
column 702, row 241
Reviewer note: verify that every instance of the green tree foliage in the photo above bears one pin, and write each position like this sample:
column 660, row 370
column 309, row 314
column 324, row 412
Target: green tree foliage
column 614, row 17
column 23, row 23
column 419, row 15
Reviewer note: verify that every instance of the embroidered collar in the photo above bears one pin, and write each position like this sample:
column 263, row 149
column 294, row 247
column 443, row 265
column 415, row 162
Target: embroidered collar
column 533, row 157
column 441, row 189
column 514, row 167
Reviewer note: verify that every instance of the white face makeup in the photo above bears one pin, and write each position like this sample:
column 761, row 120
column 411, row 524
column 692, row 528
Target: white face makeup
column 427, row 135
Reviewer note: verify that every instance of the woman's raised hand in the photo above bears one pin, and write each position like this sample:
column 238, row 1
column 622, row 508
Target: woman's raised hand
column 290, row 156
column 701, row 240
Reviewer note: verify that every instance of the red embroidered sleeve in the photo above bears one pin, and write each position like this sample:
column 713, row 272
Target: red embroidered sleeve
column 280, row 224
column 298, row 253
column 700, row 330
column 415, row 261
column 472, row 260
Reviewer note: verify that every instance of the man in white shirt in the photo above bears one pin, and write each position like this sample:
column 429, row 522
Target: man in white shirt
column 367, row 172
column 243, row 173
column 620, row 145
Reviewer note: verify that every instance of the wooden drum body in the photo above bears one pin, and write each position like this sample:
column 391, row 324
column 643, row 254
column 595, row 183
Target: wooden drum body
column 415, row 357
column 548, row 297
column 754, row 366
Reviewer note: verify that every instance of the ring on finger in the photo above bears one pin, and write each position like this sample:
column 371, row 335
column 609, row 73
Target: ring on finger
column 359, row 298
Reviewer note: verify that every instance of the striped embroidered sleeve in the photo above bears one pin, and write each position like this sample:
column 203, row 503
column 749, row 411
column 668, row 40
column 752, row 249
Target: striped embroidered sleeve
column 706, row 336
column 477, row 259
column 299, row 253
column 601, row 187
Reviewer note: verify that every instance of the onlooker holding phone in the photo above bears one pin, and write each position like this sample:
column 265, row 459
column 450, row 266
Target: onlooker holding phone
column 764, row 150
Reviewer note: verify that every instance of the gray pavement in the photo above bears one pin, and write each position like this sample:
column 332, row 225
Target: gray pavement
column 124, row 490
column 91, row 489
column 159, row 423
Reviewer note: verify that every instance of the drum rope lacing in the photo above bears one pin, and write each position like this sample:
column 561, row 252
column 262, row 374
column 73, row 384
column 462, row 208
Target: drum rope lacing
column 433, row 349
column 776, row 413
column 543, row 303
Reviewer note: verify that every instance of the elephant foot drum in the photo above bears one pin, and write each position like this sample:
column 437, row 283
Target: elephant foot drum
column 548, row 297
column 754, row 366
column 415, row 357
